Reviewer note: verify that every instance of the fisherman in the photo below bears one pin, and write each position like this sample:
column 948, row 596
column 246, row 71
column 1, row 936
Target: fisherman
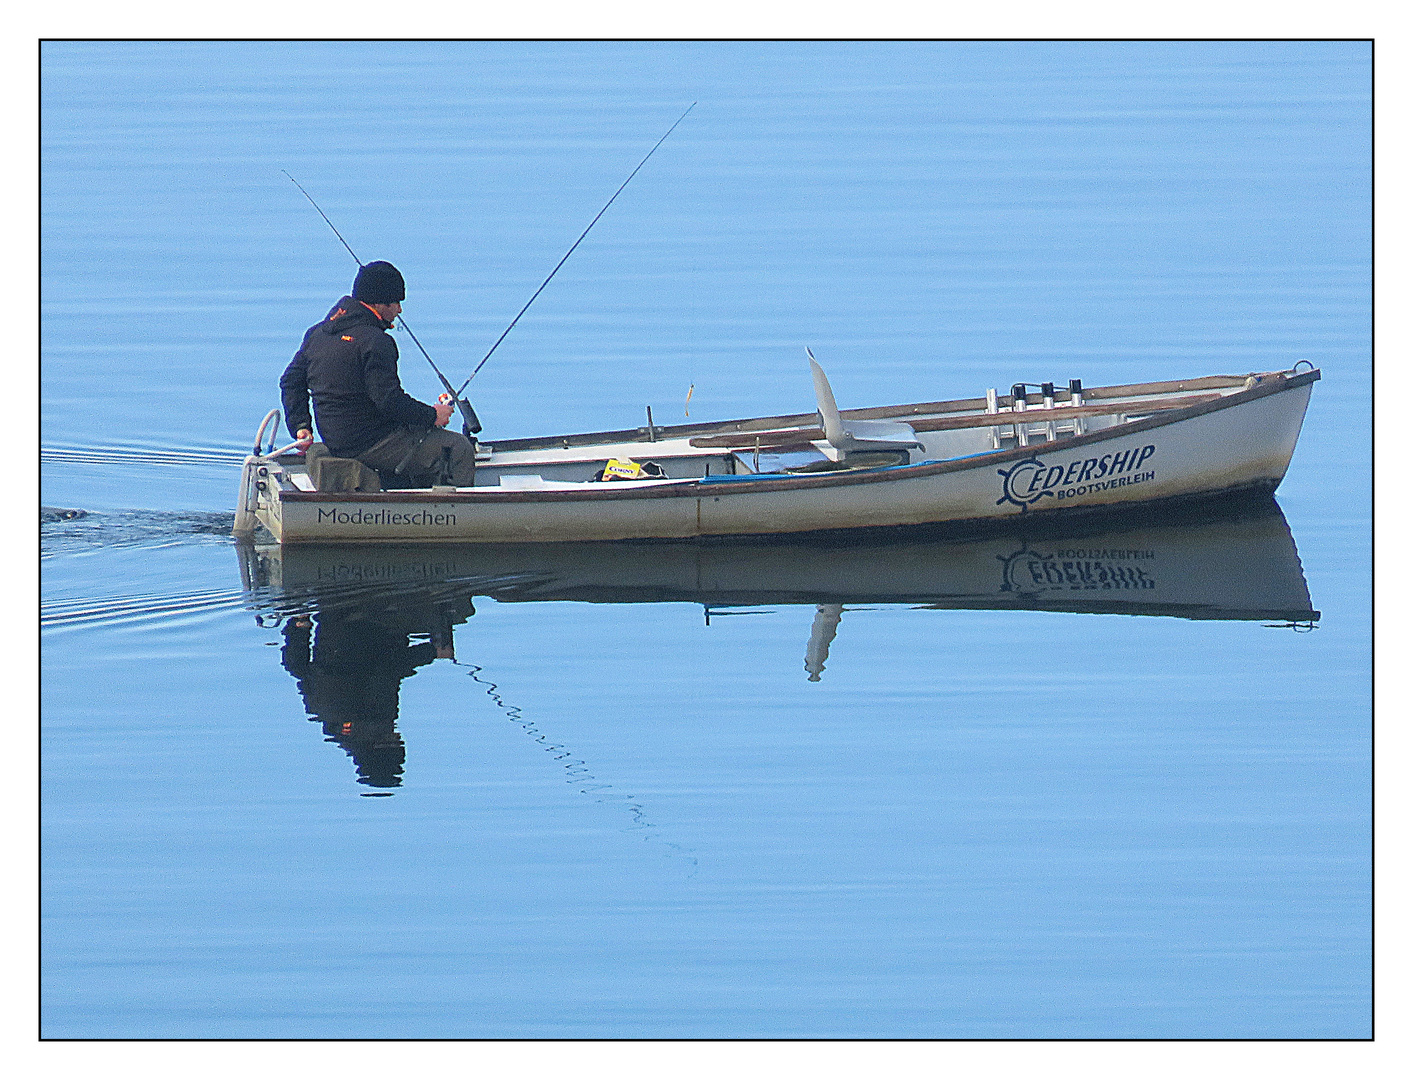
column 348, row 365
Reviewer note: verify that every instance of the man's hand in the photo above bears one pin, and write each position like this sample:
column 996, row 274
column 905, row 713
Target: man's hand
column 303, row 439
column 444, row 411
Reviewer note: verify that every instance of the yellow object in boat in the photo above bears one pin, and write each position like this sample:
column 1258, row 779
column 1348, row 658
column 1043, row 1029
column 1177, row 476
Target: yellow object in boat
column 622, row 470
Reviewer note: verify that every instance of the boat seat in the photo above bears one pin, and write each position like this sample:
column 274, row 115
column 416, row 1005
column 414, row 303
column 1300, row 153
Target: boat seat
column 857, row 436
column 331, row 473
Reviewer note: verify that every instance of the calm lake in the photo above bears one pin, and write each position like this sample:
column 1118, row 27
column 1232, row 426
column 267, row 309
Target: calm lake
column 923, row 789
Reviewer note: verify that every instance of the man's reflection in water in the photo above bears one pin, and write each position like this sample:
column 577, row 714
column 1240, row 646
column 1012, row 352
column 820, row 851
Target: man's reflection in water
column 350, row 663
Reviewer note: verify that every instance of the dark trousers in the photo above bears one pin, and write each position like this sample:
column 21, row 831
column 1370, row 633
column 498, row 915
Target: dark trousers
column 424, row 467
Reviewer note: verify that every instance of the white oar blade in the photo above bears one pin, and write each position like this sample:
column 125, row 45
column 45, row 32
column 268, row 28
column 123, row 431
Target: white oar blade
column 828, row 410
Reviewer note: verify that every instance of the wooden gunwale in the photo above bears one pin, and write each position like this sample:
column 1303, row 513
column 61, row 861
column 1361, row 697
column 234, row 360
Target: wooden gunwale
column 879, row 412
column 1274, row 383
column 1057, row 415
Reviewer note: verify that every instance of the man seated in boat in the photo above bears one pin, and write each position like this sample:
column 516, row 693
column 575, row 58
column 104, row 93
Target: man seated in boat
column 348, row 365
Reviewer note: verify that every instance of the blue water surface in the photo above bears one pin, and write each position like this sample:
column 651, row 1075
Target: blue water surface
column 625, row 819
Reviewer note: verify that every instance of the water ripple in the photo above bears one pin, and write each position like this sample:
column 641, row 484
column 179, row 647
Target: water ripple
column 269, row 605
column 141, row 455
column 74, row 612
column 86, row 531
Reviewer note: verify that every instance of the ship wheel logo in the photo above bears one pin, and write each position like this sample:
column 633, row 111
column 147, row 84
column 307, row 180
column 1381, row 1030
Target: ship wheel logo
column 1020, row 482
column 1015, row 575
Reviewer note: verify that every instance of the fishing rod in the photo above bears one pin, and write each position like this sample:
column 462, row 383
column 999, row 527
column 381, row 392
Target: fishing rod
column 470, row 423
column 570, row 252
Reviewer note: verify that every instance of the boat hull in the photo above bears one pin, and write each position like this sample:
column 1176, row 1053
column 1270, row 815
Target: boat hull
column 1243, row 441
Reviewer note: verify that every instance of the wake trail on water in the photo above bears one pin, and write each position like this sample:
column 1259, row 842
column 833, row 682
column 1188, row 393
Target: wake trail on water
column 78, row 533
column 269, row 606
column 72, row 532
column 66, row 530
column 137, row 454
column 111, row 611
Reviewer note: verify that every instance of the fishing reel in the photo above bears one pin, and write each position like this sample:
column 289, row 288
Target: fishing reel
column 470, row 422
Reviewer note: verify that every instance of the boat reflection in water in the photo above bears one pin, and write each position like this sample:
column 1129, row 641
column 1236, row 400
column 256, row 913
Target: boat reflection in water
column 358, row 619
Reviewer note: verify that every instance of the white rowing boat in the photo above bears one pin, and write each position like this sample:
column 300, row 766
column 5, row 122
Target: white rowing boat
column 996, row 460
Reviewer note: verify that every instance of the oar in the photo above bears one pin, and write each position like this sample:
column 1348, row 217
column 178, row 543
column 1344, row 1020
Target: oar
column 281, row 450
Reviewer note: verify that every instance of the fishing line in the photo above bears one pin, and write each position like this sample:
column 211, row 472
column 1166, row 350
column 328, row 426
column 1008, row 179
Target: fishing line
column 576, row 769
column 570, row 252
column 468, row 414
column 474, row 425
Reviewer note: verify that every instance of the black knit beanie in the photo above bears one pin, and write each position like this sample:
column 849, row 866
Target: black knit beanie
column 379, row 283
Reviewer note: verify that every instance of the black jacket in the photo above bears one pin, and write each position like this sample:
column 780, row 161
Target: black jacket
column 348, row 365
